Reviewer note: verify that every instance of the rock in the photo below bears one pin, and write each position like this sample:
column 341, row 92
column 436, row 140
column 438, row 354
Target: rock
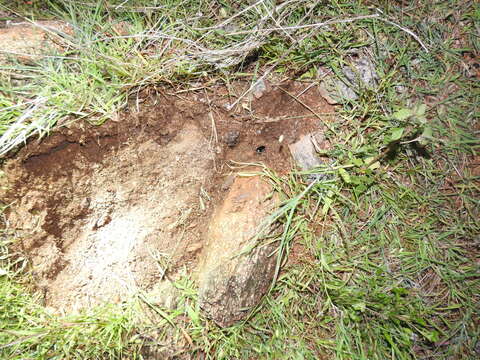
column 326, row 95
column 231, row 138
column 164, row 294
column 232, row 283
column 259, row 89
column 360, row 72
column 304, row 153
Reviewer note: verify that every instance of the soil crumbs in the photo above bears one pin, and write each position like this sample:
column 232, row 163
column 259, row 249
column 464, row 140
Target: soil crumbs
column 103, row 212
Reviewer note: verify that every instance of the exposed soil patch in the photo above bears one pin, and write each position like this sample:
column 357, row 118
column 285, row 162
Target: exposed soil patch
column 105, row 211
column 23, row 41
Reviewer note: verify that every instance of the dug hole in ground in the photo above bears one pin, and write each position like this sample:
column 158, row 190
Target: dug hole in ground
column 103, row 213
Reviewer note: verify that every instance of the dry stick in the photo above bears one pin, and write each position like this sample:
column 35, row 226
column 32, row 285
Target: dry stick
column 306, row 16
column 276, row 22
column 191, row 89
column 306, row 89
column 120, row 5
column 408, row 31
column 214, row 135
column 280, row 118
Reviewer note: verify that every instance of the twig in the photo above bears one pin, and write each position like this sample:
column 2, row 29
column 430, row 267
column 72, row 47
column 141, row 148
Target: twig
column 408, row 31
column 277, row 23
column 120, row 5
column 306, row 89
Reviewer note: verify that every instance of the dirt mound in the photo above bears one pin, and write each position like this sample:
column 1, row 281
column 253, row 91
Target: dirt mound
column 103, row 212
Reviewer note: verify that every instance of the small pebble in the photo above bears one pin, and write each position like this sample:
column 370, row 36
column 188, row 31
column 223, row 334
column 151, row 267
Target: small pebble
column 231, row 138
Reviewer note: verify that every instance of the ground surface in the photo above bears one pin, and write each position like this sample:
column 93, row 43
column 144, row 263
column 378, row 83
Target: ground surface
column 117, row 131
column 103, row 212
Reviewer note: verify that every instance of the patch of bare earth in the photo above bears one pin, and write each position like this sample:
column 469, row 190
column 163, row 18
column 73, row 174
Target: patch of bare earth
column 28, row 41
column 105, row 212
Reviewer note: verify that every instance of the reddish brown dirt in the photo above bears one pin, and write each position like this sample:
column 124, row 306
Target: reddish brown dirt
column 103, row 212
column 25, row 42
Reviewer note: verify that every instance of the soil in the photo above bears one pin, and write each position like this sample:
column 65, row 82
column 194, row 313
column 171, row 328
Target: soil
column 105, row 211
column 26, row 42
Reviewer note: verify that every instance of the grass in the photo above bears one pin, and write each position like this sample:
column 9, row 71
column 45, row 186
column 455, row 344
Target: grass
column 30, row 331
column 380, row 257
